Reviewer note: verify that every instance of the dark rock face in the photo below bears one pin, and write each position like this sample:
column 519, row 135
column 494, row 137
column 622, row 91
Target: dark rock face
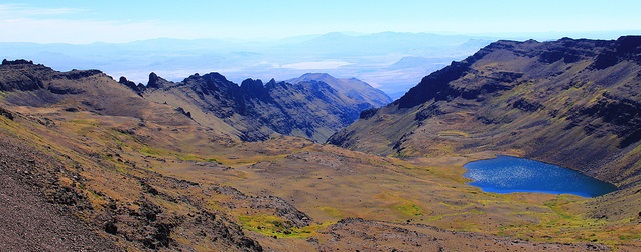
column 21, row 75
column 254, row 89
column 153, row 79
column 621, row 115
column 365, row 114
column 139, row 89
column 78, row 74
column 81, row 90
column 156, row 82
column 64, row 90
column 16, row 62
column 624, row 48
column 12, row 79
column 607, row 53
column 525, row 105
column 435, row 86
column 128, row 83
column 309, row 109
column 182, row 111
column 6, row 113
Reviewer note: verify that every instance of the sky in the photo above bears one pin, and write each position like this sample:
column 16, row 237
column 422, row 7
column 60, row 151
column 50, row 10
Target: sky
column 118, row 21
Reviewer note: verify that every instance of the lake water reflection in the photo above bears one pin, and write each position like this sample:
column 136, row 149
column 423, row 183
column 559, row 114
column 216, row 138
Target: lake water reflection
column 506, row 174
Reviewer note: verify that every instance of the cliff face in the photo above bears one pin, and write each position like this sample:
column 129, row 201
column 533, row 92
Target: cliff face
column 310, row 109
column 571, row 102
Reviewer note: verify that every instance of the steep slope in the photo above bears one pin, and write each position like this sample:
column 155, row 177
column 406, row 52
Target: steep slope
column 257, row 111
column 351, row 87
column 570, row 102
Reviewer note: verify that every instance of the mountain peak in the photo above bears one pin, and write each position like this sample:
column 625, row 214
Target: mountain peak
column 335, row 35
column 351, row 87
column 215, row 76
column 123, row 80
column 153, row 79
column 252, row 85
column 156, row 81
column 316, row 76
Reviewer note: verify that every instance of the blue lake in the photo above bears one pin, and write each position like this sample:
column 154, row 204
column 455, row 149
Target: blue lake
column 506, row 174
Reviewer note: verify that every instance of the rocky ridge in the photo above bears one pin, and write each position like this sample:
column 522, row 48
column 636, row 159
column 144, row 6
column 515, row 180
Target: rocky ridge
column 258, row 110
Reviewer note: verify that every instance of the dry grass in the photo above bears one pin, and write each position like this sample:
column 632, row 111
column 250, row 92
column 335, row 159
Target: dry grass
column 326, row 182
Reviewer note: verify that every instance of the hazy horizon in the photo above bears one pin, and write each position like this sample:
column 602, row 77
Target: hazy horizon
column 85, row 22
column 388, row 44
column 390, row 61
column 518, row 36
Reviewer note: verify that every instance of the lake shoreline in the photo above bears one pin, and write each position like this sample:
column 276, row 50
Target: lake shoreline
column 510, row 174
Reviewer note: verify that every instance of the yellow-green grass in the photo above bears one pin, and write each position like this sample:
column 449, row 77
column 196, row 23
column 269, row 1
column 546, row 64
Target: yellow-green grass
column 274, row 226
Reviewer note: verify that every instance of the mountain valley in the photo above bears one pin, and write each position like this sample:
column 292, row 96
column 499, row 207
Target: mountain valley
column 206, row 164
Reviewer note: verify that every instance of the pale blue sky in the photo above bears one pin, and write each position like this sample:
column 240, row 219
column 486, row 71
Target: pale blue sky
column 74, row 21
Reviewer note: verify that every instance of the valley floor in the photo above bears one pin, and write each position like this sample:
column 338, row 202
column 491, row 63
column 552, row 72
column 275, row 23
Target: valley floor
column 124, row 183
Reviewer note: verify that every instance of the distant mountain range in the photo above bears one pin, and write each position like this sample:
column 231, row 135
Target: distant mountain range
column 367, row 57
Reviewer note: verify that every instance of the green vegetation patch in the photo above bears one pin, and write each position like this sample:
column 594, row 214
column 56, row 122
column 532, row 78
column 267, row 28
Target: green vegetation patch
column 401, row 205
column 277, row 227
column 410, row 209
column 151, row 151
column 455, row 133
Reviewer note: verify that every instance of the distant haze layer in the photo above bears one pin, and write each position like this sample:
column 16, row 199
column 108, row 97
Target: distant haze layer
column 390, row 61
